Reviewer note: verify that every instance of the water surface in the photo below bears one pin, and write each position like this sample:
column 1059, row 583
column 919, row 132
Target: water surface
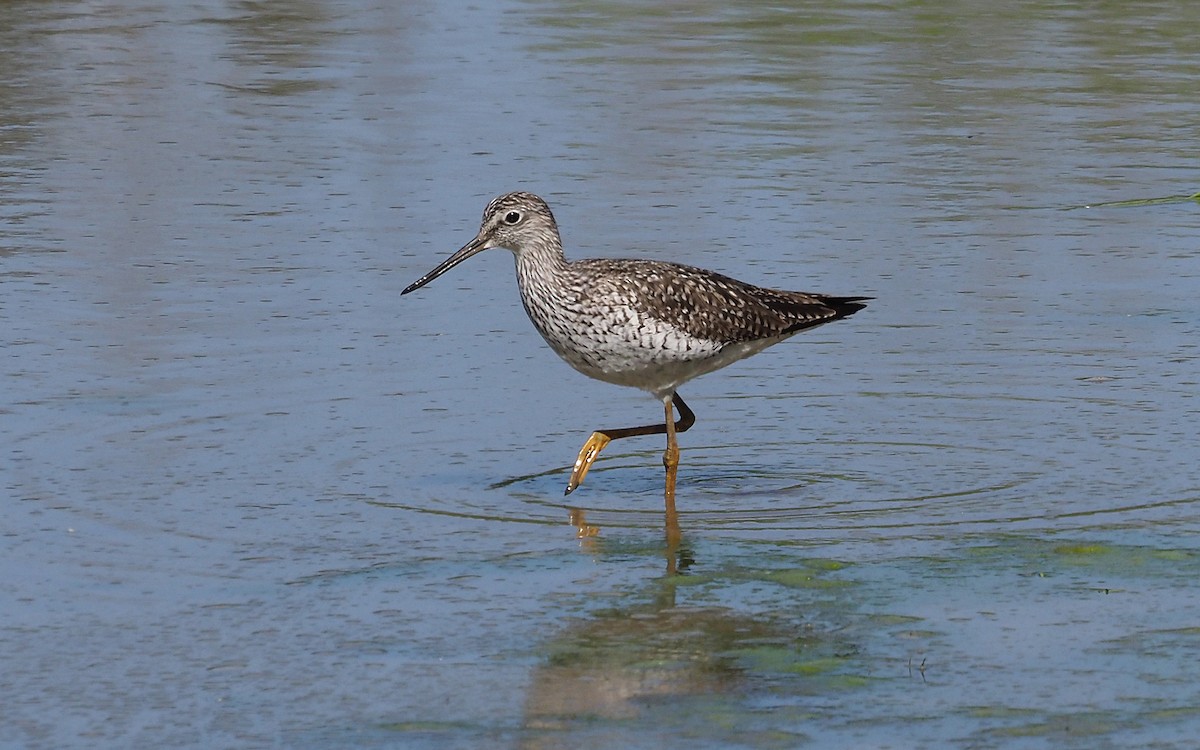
column 254, row 498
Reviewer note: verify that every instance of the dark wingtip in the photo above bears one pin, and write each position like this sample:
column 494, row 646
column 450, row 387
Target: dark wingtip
column 846, row 306
column 819, row 309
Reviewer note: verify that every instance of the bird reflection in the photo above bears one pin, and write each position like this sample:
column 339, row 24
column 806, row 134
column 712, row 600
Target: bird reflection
column 625, row 664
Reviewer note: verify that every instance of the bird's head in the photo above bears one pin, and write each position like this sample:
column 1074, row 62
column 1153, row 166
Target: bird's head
column 518, row 221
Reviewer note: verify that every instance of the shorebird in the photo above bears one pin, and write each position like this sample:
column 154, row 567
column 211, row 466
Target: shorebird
column 641, row 323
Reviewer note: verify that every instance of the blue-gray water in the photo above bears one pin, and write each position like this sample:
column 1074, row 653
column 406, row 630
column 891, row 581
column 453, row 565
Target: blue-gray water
column 252, row 497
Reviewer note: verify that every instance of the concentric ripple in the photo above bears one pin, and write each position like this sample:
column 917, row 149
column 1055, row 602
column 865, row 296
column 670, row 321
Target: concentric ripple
column 778, row 486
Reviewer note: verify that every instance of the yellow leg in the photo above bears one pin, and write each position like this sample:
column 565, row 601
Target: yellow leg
column 600, row 438
column 587, row 455
column 671, row 463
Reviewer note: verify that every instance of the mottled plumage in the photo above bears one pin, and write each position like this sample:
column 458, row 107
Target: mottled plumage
column 641, row 323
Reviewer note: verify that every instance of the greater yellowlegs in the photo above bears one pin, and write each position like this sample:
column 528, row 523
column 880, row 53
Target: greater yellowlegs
column 641, row 323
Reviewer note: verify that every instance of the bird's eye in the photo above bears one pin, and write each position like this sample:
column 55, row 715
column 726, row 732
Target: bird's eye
column 512, row 217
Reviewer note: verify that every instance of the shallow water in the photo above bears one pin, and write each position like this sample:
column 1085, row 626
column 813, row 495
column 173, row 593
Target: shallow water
column 252, row 497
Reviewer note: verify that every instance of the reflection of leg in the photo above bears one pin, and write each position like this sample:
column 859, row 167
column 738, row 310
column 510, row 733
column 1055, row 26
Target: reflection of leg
column 583, row 529
column 673, row 539
column 601, row 438
column 673, row 532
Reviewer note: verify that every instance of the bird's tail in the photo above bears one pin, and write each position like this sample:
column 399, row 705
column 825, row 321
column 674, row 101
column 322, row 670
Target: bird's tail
column 844, row 307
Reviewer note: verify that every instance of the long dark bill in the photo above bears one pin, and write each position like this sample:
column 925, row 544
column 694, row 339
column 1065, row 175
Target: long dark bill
column 471, row 248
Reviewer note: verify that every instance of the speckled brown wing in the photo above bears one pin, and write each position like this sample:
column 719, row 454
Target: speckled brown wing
column 713, row 306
